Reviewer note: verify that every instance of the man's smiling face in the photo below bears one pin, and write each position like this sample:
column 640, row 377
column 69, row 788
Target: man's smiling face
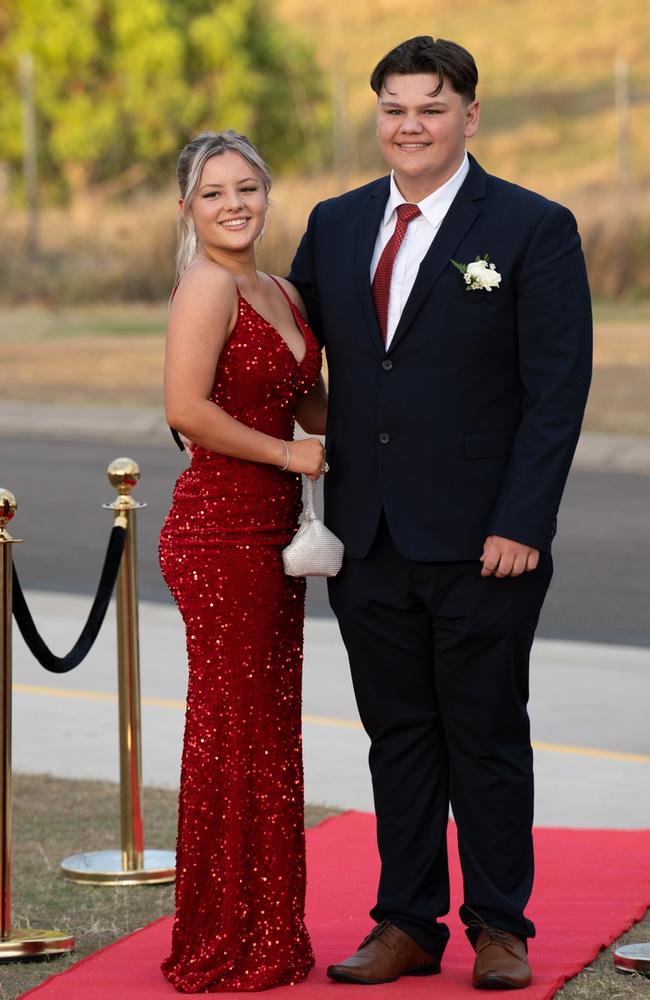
column 422, row 134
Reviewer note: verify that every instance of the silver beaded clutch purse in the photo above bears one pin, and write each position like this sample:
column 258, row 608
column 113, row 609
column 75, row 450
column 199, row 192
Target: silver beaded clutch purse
column 314, row 549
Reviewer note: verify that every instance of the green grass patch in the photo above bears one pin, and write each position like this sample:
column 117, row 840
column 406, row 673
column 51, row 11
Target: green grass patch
column 120, row 328
column 33, row 322
column 610, row 311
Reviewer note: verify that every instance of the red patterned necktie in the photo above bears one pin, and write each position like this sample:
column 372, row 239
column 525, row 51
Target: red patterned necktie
column 381, row 280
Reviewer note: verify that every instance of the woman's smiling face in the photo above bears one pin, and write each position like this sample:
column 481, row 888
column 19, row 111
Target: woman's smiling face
column 229, row 207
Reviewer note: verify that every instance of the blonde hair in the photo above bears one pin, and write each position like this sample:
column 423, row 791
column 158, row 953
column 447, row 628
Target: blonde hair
column 189, row 168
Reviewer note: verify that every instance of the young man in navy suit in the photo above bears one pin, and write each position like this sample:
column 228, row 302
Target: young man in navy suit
column 455, row 312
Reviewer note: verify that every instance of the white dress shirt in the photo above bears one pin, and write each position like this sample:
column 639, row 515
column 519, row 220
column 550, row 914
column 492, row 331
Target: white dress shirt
column 419, row 236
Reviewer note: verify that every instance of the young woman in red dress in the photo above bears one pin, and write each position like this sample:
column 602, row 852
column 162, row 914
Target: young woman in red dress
column 241, row 367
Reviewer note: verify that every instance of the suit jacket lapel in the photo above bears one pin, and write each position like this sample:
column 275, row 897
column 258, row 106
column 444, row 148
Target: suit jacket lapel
column 461, row 216
column 370, row 216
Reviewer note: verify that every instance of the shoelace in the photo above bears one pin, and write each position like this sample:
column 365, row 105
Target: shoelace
column 376, row 934
column 495, row 935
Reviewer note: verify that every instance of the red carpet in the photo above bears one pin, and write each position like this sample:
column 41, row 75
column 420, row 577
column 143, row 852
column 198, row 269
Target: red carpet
column 591, row 886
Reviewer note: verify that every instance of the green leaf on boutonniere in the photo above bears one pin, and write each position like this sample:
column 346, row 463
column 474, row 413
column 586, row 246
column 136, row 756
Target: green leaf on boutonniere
column 483, row 278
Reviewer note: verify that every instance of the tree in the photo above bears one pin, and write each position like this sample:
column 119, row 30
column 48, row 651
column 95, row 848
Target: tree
column 121, row 86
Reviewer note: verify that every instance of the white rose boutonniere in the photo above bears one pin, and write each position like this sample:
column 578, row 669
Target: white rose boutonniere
column 480, row 275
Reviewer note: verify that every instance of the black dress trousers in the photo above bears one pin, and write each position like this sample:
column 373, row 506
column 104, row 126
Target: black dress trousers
column 439, row 658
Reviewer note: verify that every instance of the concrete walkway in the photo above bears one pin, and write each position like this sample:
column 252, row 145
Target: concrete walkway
column 589, row 703
column 589, row 708
column 615, row 452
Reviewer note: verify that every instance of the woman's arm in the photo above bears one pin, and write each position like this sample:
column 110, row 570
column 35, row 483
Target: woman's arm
column 203, row 313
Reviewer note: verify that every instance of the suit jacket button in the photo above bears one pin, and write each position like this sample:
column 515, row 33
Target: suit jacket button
column 384, row 438
column 387, row 365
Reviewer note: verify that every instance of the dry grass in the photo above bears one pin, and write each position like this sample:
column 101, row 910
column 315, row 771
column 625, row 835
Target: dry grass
column 528, row 44
column 104, row 354
column 616, row 240
column 44, row 833
column 619, row 401
column 92, row 252
column 114, row 354
column 125, row 253
column 621, row 343
column 96, row 369
column 601, row 981
column 548, row 122
column 546, row 77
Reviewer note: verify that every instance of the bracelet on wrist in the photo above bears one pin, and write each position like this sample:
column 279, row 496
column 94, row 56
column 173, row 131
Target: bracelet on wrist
column 283, row 468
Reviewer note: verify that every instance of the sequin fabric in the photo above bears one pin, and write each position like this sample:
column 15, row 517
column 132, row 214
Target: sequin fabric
column 240, row 891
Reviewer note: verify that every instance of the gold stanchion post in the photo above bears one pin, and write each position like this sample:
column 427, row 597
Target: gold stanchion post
column 15, row 942
column 132, row 865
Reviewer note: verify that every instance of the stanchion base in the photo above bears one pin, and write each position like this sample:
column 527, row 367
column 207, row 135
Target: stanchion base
column 30, row 942
column 633, row 958
column 105, row 868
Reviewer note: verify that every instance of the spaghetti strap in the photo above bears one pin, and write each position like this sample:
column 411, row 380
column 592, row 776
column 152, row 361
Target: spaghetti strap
column 283, row 290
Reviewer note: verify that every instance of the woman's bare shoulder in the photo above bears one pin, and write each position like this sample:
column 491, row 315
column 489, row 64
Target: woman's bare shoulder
column 206, row 281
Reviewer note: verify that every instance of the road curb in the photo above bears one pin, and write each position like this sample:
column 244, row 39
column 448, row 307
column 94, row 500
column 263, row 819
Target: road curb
column 592, row 770
column 598, row 451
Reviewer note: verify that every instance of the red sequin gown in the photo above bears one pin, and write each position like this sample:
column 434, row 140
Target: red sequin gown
column 241, row 849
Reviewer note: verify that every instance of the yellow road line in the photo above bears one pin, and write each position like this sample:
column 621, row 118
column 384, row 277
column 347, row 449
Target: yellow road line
column 324, row 720
column 316, row 720
column 638, row 758
column 64, row 692
column 78, row 695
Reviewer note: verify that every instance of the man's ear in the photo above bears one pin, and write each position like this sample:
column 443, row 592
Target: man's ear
column 472, row 115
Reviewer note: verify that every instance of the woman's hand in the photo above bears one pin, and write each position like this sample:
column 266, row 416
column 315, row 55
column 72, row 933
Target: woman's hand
column 306, row 456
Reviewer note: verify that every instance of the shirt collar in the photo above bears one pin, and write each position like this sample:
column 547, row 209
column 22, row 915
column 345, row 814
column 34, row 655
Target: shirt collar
column 434, row 203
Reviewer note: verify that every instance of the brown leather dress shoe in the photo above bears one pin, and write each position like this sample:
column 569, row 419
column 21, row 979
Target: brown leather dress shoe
column 501, row 961
column 385, row 955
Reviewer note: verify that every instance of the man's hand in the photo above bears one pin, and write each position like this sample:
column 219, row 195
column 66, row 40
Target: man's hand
column 503, row 557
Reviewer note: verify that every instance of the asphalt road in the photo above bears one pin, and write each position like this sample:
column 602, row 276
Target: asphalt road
column 600, row 592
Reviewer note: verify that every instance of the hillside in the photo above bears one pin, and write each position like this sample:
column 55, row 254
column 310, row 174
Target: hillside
column 548, row 121
column 546, row 78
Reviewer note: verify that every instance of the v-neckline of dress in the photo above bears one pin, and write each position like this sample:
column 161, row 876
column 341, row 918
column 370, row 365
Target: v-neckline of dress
column 294, row 311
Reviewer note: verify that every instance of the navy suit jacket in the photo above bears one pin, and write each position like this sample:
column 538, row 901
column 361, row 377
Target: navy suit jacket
column 467, row 425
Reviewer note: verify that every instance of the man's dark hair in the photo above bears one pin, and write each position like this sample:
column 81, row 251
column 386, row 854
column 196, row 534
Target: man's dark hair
column 424, row 54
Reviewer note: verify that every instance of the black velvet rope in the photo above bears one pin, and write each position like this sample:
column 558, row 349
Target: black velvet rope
column 177, row 438
column 83, row 645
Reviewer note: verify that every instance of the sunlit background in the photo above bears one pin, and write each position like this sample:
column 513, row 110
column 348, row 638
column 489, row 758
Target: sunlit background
column 98, row 96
